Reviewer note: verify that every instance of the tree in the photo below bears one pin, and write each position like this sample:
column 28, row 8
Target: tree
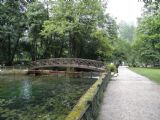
column 33, row 29
column 149, row 1
column 75, row 22
column 36, row 15
column 126, row 31
column 12, row 27
column 148, row 39
column 151, row 8
column 122, row 51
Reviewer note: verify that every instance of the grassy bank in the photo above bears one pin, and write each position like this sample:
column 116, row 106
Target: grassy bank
column 14, row 72
column 151, row 73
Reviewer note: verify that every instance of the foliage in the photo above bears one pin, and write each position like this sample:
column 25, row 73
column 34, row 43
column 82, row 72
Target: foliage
column 148, row 39
column 149, row 1
column 143, row 46
column 36, row 15
column 45, row 29
column 126, row 31
column 111, row 68
column 122, row 51
column 75, row 23
column 12, row 26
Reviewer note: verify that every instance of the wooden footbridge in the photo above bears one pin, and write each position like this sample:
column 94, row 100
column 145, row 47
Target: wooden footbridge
column 68, row 62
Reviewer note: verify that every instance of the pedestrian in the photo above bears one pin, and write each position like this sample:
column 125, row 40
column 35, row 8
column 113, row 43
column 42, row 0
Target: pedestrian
column 117, row 66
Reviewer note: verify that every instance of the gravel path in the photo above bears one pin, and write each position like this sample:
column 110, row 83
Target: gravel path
column 131, row 97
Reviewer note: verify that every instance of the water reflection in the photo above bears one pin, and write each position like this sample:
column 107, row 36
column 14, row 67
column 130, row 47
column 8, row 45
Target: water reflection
column 26, row 89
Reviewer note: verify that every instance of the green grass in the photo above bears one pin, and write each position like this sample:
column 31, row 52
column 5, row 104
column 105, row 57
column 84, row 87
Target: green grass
column 151, row 73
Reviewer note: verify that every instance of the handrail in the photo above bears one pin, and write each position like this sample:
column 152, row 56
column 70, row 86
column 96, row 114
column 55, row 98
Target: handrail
column 68, row 62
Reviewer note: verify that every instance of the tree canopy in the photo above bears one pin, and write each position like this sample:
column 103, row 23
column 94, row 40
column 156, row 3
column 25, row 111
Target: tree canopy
column 36, row 29
column 43, row 29
column 147, row 43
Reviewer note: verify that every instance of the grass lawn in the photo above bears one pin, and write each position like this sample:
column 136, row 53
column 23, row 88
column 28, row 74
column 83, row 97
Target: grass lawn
column 153, row 74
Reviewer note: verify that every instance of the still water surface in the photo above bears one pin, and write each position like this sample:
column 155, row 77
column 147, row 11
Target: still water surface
column 40, row 98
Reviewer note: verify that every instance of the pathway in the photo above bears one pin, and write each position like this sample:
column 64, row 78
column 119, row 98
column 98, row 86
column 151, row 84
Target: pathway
column 131, row 97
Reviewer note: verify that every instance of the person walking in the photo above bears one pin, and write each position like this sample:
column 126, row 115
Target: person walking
column 117, row 66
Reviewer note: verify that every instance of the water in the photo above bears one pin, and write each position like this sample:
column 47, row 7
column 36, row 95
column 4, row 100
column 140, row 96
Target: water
column 40, row 98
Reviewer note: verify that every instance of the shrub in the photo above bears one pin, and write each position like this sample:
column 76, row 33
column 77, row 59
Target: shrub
column 111, row 67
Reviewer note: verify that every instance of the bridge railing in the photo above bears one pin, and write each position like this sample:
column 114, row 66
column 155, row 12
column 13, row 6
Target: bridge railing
column 67, row 61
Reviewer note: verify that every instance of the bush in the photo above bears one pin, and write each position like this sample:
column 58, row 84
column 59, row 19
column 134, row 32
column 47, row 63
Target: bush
column 111, row 67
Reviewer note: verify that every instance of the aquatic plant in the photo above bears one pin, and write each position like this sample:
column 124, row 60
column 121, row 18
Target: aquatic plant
column 40, row 98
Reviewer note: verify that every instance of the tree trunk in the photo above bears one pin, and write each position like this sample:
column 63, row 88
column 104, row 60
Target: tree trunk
column 61, row 49
column 9, row 62
column 15, row 49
